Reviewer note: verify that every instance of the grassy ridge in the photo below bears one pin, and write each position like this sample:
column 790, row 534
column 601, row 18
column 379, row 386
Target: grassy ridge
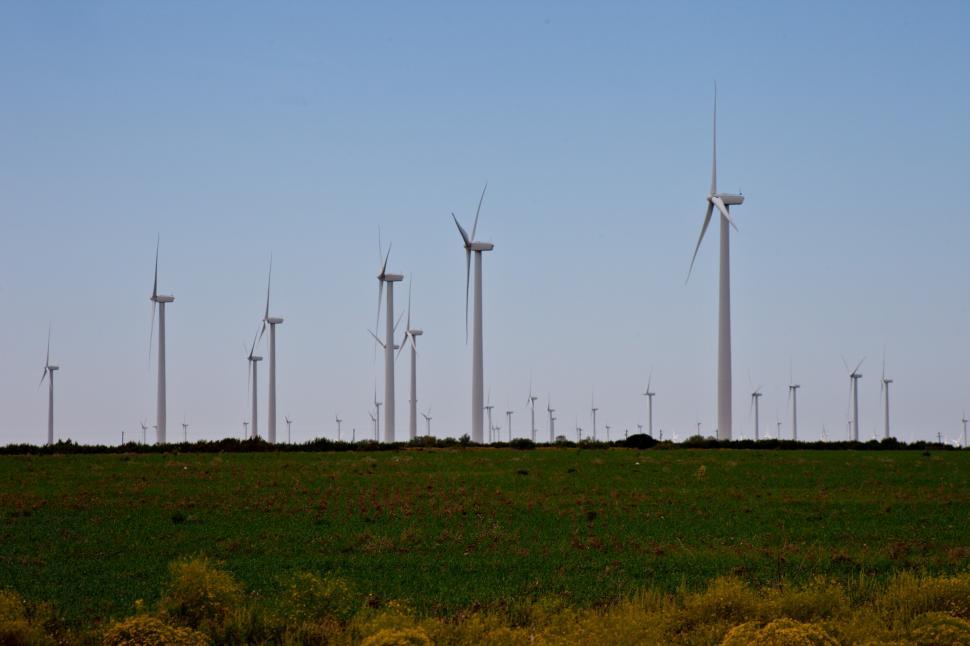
column 446, row 529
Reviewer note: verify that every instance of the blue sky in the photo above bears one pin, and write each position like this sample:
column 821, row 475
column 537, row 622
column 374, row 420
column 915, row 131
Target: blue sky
column 237, row 130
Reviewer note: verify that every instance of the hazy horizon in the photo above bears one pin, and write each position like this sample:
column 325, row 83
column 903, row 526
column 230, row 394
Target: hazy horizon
column 235, row 132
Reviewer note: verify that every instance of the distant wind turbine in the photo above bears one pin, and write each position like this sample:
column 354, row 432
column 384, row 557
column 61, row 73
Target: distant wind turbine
column 964, row 420
column 411, row 334
column 388, row 345
column 254, row 362
column 272, row 322
column 49, row 370
column 245, row 429
column 884, row 388
column 289, row 436
column 552, row 421
column 755, row 397
column 722, row 202
column 607, row 427
column 793, row 398
column 508, row 414
column 185, row 430
column 159, row 300
column 649, row 395
column 377, row 420
column 478, row 379
column 854, row 377
column 593, row 409
column 427, row 420
column 144, row 433
column 491, row 427
column 531, row 402
column 338, row 420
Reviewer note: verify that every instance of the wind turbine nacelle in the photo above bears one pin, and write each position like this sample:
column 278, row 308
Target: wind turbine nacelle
column 393, row 278
column 730, row 199
column 163, row 299
column 482, row 246
column 274, row 320
column 53, row 368
column 416, row 332
column 255, row 358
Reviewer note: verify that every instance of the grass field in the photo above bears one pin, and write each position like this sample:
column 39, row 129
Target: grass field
column 450, row 529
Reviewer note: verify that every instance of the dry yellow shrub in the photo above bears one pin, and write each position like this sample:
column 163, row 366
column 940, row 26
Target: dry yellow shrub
column 909, row 596
column 398, row 637
column 939, row 629
column 780, row 632
column 199, row 594
column 145, row 630
column 311, row 598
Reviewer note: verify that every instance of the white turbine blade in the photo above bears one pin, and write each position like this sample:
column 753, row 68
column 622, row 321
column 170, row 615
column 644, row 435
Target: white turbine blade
column 43, row 377
column 396, row 323
column 404, row 344
column 724, row 211
column 158, row 241
column 649, row 379
column 859, row 365
column 714, row 157
column 383, row 346
column 47, row 361
column 461, row 230
column 269, row 281
column 478, row 210
column 846, row 364
column 261, row 331
column 151, row 334
column 700, row 238
column 380, row 298
column 386, row 256
column 410, row 283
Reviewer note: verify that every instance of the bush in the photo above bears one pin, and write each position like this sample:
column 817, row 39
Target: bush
column 199, row 595
column 909, row 596
column 310, row 598
column 939, row 629
column 781, row 632
column 146, row 630
column 522, row 444
column 398, row 637
column 639, row 441
column 16, row 627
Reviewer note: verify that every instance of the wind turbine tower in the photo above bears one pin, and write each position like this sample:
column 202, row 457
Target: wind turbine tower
column 185, row 431
column 722, row 202
column 793, row 395
column 491, row 427
column 854, row 377
column 884, row 386
column 254, row 362
column 338, row 420
column 552, row 421
column 755, row 397
column 478, row 379
column 964, row 420
column 649, row 395
column 411, row 334
column 593, row 408
column 160, row 300
column 49, row 370
column 272, row 322
column 427, row 420
column 532, row 404
column 508, row 414
column 289, row 436
column 382, row 278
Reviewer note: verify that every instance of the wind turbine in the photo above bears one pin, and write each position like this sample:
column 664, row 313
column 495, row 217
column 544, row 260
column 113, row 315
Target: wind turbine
column 649, row 395
column 272, row 322
column 478, row 378
column 793, row 398
column 159, row 300
column 412, row 334
column 755, row 397
column 964, row 420
column 552, row 421
column 388, row 345
column 245, row 429
column 338, row 420
column 289, row 437
column 579, row 431
column 254, row 362
column 377, row 420
column 488, row 409
column 884, row 388
column 374, row 419
column 144, row 433
column 854, row 377
column 593, row 408
column 531, row 402
column 49, row 370
column 427, row 420
column 508, row 413
column 185, row 430
column 722, row 202
column 607, row 427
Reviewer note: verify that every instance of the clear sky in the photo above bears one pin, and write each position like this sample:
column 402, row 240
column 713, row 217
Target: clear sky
column 236, row 130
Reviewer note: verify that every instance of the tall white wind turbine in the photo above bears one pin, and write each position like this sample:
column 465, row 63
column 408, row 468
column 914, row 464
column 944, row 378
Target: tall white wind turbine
column 854, row 377
column 793, row 399
column 339, row 421
column 722, row 202
column 377, row 419
column 649, row 395
column 159, row 300
column 272, row 322
column 884, row 388
column 491, row 427
column 185, row 430
column 411, row 334
column 755, row 397
column 289, row 422
column 531, row 402
column 427, row 420
column 382, row 278
column 254, row 362
column 964, row 420
column 144, row 433
column 478, row 378
column 552, row 421
column 508, row 414
column 593, row 409
column 49, row 370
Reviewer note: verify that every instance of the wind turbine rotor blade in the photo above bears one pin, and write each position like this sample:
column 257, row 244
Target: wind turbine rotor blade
column 859, row 365
column 410, row 282
column 151, row 333
column 380, row 298
column 43, row 376
column 649, row 380
column 478, row 210
column 846, row 364
column 724, row 211
column 714, row 156
column 269, row 282
column 403, row 345
column 376, row 338
column 386, row 256
column 396, row 323
column 461, row 230
column 47, row 361
column 158, row 241
column 700, row 238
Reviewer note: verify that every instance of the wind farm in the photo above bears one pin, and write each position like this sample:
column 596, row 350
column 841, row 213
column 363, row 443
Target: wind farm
column 532, row 175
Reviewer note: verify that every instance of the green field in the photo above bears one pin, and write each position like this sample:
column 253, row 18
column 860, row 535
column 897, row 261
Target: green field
column 450, row 529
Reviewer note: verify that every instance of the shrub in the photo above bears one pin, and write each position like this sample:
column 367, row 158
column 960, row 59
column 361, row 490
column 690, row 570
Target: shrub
column 781, row 632
column 146, row 630
column 199, row 595
column 309, row 598
column 639, row 441
column 398, row 637
column 909, row 596
column 16, row 627
column 522, row 444
column 939, row 629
